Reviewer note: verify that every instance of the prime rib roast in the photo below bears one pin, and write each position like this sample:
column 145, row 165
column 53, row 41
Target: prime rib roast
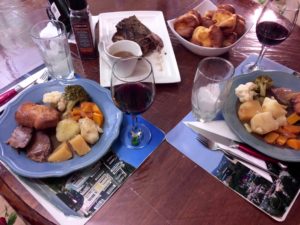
column 40, row 147
column 132, row 29
column 288, row 97
column 20, row 137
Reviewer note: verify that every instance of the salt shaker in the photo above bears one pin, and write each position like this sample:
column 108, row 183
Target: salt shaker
column 81, row 26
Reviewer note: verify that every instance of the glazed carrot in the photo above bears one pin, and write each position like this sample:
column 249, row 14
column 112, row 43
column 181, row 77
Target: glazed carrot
column 293, row 143
column 293, row 118
column 281, row 140
column 292, row 129
column 271, row 137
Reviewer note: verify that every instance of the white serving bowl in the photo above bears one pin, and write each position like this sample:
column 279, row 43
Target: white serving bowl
column 200, row 50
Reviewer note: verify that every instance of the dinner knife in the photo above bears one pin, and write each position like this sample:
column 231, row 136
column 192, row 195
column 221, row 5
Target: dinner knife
column 235, row 144
column 6, row 96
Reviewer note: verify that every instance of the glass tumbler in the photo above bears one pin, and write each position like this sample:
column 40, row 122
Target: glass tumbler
column 211, row 86
column 51, row 38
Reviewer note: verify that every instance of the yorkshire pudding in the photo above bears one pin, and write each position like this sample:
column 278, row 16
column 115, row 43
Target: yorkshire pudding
column 184, row 25
column 208, row 37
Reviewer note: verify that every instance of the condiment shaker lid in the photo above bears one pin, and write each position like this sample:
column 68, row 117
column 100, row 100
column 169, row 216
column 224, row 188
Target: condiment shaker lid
column 77, row 4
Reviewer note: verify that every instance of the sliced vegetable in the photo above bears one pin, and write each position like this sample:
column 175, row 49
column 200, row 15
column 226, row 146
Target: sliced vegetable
column 87, row 106
column 249, row 109
column 293, row 143
column 89, row 110
column 271, row 137
column 76, row 111
column 61, row 153
column 98, row 118
column 293, row 118
column 286, row 133
column 281, row 140
column 292, row 129
column 96, row 109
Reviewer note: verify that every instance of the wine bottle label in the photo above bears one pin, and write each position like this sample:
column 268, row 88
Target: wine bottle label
column 83, row 37
column 55, row 11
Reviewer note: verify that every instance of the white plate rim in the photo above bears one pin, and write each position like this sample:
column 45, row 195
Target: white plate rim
column 172, row 73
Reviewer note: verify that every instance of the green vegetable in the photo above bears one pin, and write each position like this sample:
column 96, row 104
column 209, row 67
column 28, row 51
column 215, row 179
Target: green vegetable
column 74, row 94
column 263, row 83
column 12, row 219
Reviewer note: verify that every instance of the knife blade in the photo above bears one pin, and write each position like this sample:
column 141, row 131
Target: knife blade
column 234, row 144
column 6, row 96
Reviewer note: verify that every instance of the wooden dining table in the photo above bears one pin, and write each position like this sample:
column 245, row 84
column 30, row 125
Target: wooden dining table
column 168, row 188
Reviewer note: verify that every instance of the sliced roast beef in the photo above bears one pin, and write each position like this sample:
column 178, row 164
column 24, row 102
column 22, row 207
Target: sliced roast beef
column 20, row 137
column 296, row 103
column 40, row 147
column 284, row 95
column 132, row 29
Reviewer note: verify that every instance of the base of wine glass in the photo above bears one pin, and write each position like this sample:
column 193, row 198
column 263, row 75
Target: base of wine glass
column 136, row 140
column 250, row 67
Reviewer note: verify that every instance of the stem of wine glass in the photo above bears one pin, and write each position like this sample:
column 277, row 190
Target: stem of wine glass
column 135, row 132
column 262, row 52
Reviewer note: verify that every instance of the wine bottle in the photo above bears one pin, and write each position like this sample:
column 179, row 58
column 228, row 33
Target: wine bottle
column 80, row 18
column 59, row 10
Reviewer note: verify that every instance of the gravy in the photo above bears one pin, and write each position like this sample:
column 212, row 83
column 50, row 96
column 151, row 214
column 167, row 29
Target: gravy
column 123, row 54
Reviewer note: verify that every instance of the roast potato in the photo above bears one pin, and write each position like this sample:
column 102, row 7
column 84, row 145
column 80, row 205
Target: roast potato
column 67, row 129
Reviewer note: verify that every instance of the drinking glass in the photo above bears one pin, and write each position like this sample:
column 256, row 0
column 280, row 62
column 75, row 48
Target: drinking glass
column 133, row 91
column 211, row 86
column 51, row 38
column 274, row 25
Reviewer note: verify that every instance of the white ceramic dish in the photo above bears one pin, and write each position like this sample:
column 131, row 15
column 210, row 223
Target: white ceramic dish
column 164, row 64
column 122, row 46
column 205, row 51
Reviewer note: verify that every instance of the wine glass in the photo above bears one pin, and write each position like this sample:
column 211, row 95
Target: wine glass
column 275, row 23
column 133, row 91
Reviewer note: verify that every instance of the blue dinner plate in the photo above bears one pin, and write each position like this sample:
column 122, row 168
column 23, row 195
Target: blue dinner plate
column 280, row 79
column 24, row 166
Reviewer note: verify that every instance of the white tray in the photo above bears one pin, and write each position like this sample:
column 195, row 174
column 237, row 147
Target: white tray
column 164, row 64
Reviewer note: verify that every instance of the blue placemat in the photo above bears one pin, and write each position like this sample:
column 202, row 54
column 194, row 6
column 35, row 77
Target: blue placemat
column 266, row 63
column 108, row 174
column 251, row 186
column 84, row 192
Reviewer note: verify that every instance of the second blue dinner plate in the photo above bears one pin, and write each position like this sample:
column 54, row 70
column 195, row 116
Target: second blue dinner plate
column 24, row 166
column 280, row 79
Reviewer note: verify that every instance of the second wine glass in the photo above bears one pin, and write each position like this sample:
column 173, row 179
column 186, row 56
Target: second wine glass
column 133, row 91
column 274, row 25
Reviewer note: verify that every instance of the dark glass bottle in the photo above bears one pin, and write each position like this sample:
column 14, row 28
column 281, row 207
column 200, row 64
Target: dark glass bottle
column 81, row 26
column 58, row 10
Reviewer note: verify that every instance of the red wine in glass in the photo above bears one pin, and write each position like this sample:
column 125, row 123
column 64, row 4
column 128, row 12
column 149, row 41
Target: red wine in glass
column 133, row 91
column 271, row 33
column 133, row 98
column 274, row 25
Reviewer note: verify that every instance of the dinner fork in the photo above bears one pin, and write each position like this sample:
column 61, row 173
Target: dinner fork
column 210, row 144
column 42, row 78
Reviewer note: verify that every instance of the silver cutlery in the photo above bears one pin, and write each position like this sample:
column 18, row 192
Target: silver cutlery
column 240, row 146
column 43, row 77
column 38, row 77
column 210, row 144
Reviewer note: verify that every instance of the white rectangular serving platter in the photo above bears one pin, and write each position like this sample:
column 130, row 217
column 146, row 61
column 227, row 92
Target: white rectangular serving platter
column 164, row 63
